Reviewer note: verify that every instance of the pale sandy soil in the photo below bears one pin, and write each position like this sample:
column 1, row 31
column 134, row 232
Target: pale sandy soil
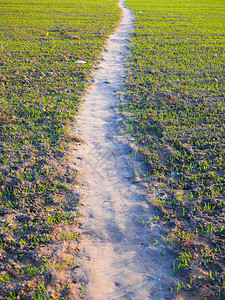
column 117, row 253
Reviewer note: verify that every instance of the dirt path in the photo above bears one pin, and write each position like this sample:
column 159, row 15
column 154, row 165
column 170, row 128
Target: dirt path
column 117, row 259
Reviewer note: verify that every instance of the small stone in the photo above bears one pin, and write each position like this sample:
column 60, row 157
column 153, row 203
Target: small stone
column 151, row 71
column 81, row 62
column 75, row 37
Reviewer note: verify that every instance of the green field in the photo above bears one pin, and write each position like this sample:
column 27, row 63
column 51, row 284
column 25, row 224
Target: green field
column 43, row 46
column 174, row 110
column 175, row 85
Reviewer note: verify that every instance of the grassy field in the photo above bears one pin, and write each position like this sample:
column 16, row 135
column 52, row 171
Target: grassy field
column 175, row 84
column 48, row 49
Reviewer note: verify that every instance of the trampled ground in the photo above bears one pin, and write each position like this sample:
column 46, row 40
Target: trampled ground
column 119, row 260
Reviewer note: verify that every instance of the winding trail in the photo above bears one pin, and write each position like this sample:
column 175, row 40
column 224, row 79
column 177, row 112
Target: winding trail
column 117, row 251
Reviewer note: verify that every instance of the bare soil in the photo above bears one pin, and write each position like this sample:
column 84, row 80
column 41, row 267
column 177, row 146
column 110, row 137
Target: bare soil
column 117, row 251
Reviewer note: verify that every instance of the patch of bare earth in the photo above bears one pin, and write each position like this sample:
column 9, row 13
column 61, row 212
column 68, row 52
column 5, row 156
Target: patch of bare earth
column 119, row 254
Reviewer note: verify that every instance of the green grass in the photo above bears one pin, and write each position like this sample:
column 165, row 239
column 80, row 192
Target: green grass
column 175, row 85
column 41, row 84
